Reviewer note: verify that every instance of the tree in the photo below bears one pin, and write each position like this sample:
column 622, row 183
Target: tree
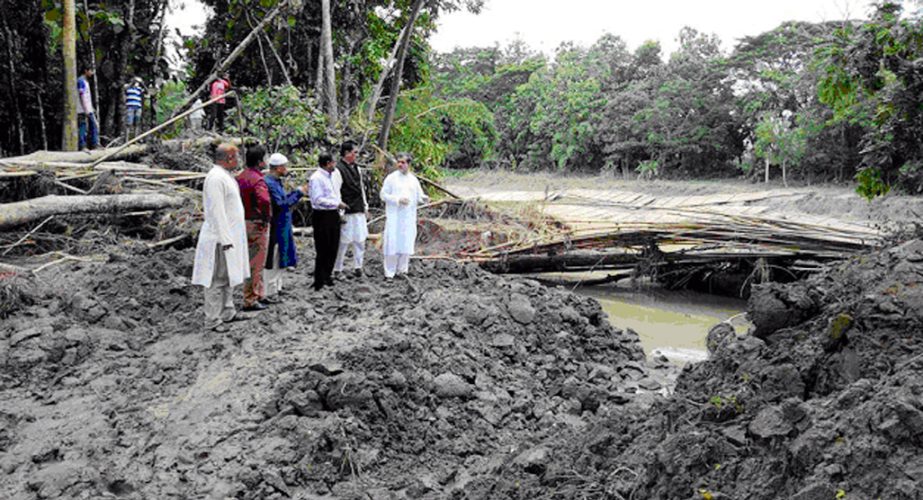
column 69, row 50
column 398, row 75
column 872, row 78
column 779, row 143
column 330, row 92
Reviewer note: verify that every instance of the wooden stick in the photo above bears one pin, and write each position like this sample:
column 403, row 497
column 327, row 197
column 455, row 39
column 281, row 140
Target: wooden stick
column 17, row 174
column 30, row 233
column 160, row 127
column 66, row 258
column 69, row 187
column 167, row 242
column 152, row 182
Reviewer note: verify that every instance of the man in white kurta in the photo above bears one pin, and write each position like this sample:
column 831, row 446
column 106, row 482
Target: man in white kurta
column 222, row 259
column 401, row 193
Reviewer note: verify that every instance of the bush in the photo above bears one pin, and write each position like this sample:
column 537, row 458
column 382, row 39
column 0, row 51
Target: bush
column 169, row 96
column 437, row 132
column 285, row 119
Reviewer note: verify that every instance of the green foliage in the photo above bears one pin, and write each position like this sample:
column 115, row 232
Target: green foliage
column 871, row 79
column 285, row 118
column 870, row 184
column 648, row 168
column 458, row 132
column 169, row 96
column 779, row 142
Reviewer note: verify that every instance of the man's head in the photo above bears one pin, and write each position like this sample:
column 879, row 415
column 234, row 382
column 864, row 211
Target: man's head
column 325, row 160
column 226, row 156
column 278, row 164
column 86, row 71
column 256, row 157
column 348, row 152
column 226, row 76
column 403, row 162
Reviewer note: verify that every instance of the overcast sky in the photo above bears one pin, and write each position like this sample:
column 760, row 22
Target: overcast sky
column 544, row 24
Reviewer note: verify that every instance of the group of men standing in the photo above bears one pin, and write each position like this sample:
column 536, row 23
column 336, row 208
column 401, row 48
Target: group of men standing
column 247, row 234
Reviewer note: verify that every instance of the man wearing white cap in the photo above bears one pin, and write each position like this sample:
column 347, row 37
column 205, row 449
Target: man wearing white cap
column 282, row 252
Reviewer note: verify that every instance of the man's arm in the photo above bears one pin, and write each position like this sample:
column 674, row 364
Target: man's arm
column 387, row 191
column 263, row 201
column 215, row 210
column 282, row 200
column 322, row 195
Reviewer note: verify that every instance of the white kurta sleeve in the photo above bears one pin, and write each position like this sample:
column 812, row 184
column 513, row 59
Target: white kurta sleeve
column 388, row 192
column 216, row 211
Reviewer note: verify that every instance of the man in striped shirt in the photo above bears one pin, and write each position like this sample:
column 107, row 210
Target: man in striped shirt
column 134, row 102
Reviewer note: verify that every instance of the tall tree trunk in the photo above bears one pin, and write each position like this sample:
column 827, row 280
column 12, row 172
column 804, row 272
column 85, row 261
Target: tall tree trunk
column 346, row 81
column 767, row 171
column 272, row 48
column 69, row 49
column 319, row 74
column 14, row 97
column 259, row 43
column 398, row 74
column 330, row 76
column 95, row 82
column 784, row 179
column 41, row 117
column 123, row 64
column 380, row 84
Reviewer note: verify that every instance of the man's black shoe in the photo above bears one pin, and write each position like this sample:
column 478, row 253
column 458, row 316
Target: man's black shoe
column 255, row 307
column 358, row 273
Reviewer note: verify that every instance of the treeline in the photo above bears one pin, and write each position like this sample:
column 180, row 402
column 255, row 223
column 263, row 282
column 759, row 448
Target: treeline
column 817, row 101
column 120, row 39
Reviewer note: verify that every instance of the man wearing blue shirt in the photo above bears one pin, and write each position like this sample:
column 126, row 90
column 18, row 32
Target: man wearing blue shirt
column 282, row 251
column 134, row 102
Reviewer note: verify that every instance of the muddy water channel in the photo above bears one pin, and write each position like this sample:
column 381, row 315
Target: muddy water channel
column 672, row 323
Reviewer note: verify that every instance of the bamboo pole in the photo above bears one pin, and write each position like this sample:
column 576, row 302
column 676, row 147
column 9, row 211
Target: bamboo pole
column 159, row 128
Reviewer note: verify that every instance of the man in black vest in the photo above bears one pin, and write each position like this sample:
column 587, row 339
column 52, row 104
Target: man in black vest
column 354, row 230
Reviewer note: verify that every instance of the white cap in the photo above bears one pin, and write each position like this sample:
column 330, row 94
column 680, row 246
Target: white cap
column 277, row 159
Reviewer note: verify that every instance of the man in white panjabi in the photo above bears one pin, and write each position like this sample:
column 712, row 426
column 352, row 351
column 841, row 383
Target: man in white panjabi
column 347, row 179
column 401, row 193
column 222, row 260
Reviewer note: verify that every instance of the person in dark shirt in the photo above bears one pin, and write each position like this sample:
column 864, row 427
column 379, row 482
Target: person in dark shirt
column 354, row 231
column 257, row 213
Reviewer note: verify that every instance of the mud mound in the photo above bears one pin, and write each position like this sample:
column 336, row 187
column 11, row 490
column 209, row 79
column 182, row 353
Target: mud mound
column 825, row 403
column 371, row 388
column 470, row 367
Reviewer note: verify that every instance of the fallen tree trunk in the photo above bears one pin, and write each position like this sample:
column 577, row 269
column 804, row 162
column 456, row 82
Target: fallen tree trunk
column 516, row 264
column 75, row 156
column 24, row 212
column 594, row 261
